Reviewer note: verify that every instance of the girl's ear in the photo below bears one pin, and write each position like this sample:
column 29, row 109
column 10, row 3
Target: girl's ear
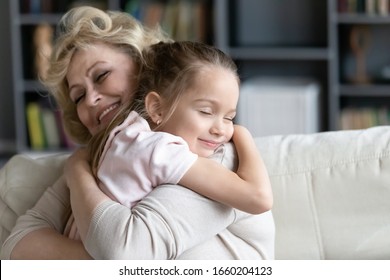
column 153, row 106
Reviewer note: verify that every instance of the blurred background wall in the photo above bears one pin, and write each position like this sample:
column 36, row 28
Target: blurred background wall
column 7, row 130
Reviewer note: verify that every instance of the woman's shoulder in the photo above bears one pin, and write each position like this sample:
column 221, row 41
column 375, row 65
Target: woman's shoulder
column 226, row 155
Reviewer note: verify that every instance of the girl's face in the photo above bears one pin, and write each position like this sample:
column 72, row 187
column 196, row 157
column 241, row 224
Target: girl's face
column 100, row 80
column 204, row 115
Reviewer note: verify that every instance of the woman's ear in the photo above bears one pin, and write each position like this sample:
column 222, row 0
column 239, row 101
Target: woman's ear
column 153, row 106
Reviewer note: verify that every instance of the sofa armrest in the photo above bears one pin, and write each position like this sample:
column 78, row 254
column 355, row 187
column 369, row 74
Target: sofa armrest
column 22, row 181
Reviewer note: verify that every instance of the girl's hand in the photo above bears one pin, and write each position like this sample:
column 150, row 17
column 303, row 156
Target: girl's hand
column 241, row 134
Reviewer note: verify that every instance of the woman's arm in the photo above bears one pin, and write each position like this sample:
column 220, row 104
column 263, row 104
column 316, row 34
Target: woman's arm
column 46, row 243
column 85, row 196
column 37, row 234
column 161, row 226
column 249, row 189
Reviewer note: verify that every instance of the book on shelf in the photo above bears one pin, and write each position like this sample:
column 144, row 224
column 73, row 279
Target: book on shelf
column 50, row 129
column 182, row 20
column 153, row 14
column 37, row 6
column 364, row 117
column 100, row 4
column 43, row 41
column 45, row 129
column 383, row 7
column 369, row 7
column 35, row 126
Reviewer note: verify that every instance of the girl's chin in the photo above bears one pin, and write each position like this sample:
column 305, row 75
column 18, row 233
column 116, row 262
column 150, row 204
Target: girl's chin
column 204, row 153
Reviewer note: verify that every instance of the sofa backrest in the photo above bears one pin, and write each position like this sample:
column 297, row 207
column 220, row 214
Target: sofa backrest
column 331, row 193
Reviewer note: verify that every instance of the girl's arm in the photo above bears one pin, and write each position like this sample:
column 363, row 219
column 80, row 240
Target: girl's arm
column 249, row 189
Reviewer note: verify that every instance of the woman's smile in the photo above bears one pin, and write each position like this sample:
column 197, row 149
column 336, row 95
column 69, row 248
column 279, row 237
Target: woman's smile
column 108, row 113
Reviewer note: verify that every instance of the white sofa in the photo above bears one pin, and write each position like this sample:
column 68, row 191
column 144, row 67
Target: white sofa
column 331, row 192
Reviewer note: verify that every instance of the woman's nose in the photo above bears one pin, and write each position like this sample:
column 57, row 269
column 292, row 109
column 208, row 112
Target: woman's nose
column 92, row 97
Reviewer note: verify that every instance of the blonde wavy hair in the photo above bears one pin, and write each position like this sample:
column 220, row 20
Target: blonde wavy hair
column 81, row 28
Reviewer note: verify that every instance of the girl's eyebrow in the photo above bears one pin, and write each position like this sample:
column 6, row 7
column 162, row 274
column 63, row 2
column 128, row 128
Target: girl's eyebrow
column 212, row 102
column 206, row 100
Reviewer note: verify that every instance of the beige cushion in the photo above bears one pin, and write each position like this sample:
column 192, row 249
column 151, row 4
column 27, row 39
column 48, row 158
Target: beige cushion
column 22, row 181
column 332, row 194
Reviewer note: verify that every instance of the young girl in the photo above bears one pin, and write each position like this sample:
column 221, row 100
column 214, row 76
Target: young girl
column 181, row 114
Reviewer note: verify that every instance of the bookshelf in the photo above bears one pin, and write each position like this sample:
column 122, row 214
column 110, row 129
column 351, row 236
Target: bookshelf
column 277, row 39
column 314, row 41
column 363, row 63
column 267, row 38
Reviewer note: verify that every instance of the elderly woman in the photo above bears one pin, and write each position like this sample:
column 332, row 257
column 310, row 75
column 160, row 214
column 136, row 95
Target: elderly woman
column 106, row 47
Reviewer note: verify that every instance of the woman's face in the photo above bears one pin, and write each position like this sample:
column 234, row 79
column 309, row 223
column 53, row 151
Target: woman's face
column 100, row 80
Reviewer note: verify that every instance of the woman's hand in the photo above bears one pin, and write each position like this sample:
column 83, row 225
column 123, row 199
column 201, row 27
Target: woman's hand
column 78, row 160
column 85, row 194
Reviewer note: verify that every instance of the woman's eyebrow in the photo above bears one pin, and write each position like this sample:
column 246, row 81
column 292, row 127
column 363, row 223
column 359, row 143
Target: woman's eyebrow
column 88, row 73
column 89, row 70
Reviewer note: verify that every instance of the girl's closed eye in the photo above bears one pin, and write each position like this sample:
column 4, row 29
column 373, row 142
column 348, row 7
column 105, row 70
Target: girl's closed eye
column 229, row 118
column 206, row 111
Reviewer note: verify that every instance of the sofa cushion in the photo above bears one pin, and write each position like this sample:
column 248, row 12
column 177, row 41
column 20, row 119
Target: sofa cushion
column 331, row 193
column 23, row 179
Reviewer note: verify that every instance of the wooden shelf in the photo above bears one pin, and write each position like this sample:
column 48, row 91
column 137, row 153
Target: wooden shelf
column 370, row 90
column 279, row 53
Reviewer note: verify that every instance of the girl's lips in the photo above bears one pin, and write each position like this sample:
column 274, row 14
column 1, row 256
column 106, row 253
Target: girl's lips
column 210, row 144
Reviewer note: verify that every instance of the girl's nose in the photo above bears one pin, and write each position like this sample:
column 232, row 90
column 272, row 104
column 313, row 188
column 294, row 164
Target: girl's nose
column 217, row 127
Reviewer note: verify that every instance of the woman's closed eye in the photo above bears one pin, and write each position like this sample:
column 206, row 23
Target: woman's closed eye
column 100, row 77
column 77, row 97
